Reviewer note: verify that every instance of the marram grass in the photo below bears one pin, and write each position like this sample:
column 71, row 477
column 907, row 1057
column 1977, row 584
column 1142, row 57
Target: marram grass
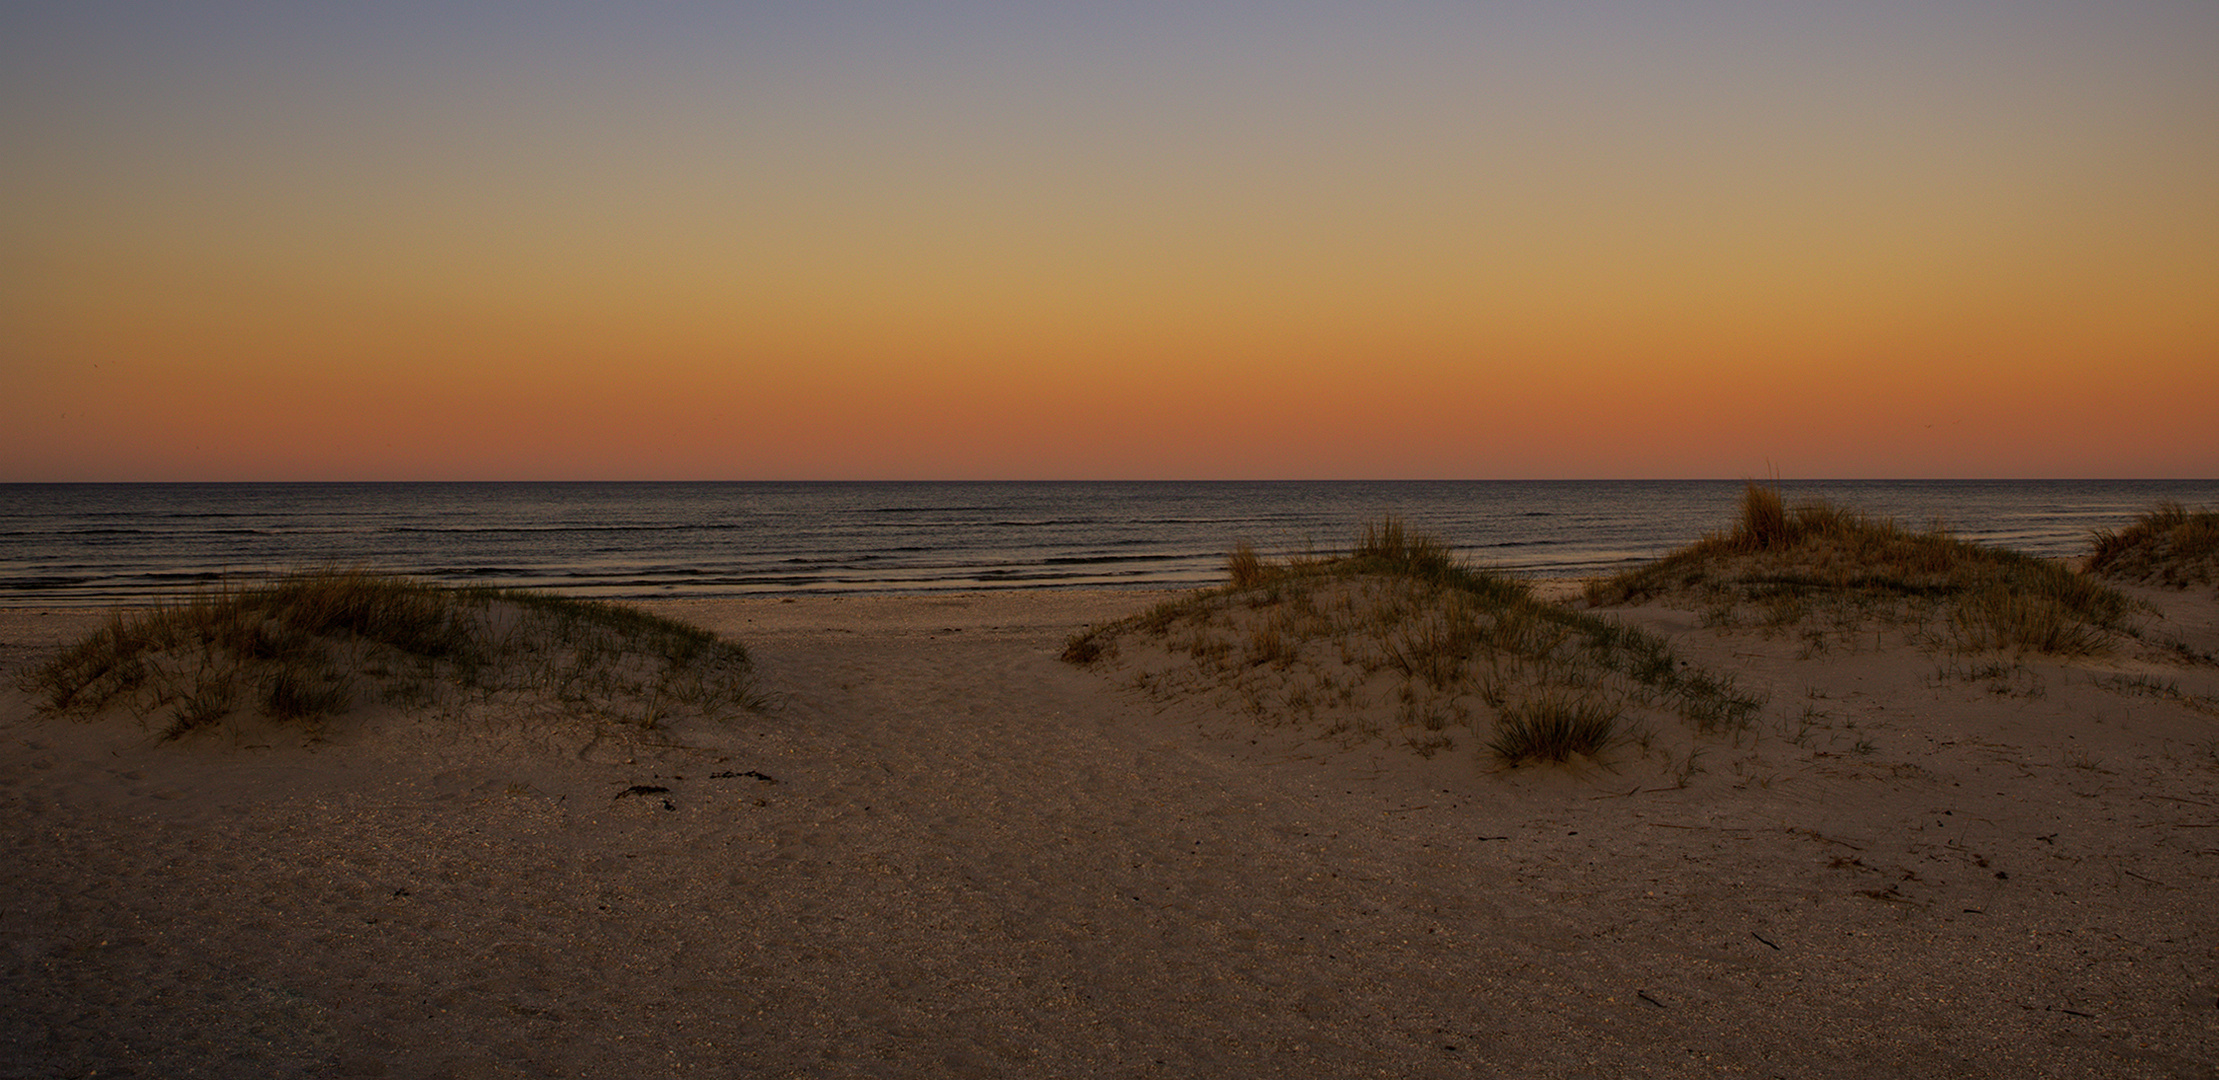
column 311, row 645
column 1554, row 727
column 1398, row 625
column 2168, row 545
column 1787, row 562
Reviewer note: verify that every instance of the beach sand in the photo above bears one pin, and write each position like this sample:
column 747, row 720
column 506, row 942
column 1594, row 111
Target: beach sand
column 946, row 853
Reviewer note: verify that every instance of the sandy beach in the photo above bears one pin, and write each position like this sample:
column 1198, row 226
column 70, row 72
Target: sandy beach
column 944, row 852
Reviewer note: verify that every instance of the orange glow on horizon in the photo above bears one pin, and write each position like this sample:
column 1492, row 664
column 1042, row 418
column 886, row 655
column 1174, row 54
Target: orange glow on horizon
column 1420, row 252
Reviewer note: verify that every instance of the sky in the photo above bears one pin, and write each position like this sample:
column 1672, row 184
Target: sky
column 1678, row 238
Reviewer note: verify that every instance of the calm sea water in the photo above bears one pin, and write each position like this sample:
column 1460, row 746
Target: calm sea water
column 93, row 544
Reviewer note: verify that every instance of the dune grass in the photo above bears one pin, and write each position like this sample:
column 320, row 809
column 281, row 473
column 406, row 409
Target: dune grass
column 1821, row 561
column 1553, row 728
column 310, row 645
column 2168, row 545
column 1398, row 626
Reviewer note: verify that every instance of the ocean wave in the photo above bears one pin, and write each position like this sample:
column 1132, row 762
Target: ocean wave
column 139, row 542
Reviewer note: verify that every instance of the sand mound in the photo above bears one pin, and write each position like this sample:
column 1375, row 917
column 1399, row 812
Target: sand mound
column 323, row 652
column 2169, row 545
column 1829, row 573
column 1418, row 652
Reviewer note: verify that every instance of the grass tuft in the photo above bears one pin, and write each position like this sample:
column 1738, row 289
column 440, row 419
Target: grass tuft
column 1388, row 546
column 306, row 646
column 1765, row 524
column 1553, row 728
column 1246, row 568
column 1082, row 649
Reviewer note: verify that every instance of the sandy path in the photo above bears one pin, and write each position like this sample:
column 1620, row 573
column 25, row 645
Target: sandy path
column 978, row 861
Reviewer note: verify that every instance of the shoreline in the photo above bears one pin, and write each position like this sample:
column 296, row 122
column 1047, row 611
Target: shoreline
column 650, row 543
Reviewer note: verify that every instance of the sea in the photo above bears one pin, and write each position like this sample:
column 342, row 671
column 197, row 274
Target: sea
column 78, row 545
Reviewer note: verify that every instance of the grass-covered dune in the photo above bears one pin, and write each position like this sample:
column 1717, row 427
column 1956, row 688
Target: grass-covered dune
column 1818, row 567
column 2167, row 545
column 1399, row 641
column 309, row 646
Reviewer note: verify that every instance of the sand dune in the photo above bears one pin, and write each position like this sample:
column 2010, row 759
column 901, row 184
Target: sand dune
column 946, row 853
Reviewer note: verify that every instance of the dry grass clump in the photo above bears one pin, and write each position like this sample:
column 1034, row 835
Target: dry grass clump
column 308, row 645
column 1822, row 561
column 2168, row 545
column 1398, row 640
column 1554, row 729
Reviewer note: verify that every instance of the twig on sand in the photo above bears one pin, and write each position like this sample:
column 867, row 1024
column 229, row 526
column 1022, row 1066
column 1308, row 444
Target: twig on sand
column 1816, row 835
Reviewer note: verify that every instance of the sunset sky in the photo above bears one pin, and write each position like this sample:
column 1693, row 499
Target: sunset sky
column 244, row 241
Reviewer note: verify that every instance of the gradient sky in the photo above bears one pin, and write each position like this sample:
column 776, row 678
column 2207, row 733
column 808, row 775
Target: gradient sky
column 731, row 241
